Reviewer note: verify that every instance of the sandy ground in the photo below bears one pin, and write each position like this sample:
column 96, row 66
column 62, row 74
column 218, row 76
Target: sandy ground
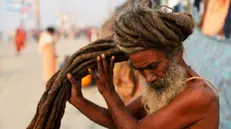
column 21, row 87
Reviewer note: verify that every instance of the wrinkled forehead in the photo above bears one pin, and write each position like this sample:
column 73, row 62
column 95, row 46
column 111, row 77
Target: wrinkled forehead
column 147, row 56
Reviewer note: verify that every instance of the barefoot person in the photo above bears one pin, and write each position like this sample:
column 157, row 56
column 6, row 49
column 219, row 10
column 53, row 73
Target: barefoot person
column 175, row 96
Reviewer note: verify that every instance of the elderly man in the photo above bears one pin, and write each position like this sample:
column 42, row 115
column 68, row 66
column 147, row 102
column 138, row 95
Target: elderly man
column 175, row 96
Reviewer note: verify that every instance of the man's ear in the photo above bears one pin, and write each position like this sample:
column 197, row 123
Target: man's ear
column 180, row 55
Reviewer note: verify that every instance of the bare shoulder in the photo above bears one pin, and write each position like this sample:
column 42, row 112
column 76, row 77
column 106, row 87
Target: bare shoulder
column 201, row 93
column 201, row 104
column 198, row 96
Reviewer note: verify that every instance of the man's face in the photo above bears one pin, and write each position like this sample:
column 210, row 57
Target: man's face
column 153, row 65
column 165, row 77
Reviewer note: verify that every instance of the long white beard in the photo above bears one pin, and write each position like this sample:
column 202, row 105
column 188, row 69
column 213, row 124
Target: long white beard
column 154, row 99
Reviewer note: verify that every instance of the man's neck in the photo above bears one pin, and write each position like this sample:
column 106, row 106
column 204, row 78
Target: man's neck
column 190, row 71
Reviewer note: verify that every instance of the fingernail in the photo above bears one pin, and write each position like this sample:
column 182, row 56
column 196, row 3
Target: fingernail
column 103, row 56
column 89, row 70
column 68, row 75
column 98, row 58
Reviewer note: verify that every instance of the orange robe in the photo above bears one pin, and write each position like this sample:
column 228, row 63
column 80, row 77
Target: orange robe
column 215, row 15
column 20, row 37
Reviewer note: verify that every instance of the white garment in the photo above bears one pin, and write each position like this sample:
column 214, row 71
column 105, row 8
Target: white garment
column 45, row 38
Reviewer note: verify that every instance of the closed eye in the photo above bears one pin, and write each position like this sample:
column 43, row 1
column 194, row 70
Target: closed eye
column 152, row 66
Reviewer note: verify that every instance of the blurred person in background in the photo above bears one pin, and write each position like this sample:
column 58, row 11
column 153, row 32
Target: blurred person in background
column 47, row 43
column 93, row 34
column 19, row 39
column 213, row 18
column 227, row 25
column 202, row 11
column 197, row 4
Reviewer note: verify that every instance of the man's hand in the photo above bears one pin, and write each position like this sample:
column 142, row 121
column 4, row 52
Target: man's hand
column 88, row 108
column 104, row 79
column 76, row 93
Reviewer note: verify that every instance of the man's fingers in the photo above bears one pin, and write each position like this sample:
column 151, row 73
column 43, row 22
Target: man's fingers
column 75, row 88
column 69, row 77
column 105, row 64
column 112, row 64
column 73, row 81
column 99, row 66
column 93, row 75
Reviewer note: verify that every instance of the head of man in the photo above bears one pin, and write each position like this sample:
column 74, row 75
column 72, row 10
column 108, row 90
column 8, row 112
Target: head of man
column 51, row 30
column 153, row 40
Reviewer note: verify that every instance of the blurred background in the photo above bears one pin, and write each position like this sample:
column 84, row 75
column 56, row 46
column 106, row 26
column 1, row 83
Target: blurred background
column 38, row 36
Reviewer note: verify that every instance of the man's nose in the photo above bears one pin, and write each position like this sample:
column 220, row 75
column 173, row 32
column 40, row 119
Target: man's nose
column 149, row 77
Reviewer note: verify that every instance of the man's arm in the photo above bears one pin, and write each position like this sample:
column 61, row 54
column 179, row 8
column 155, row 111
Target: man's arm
column 102, row 116
column 95, row 113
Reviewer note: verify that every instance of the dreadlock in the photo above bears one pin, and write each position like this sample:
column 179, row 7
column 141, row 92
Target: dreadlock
column 107, row 27
column 140, row 27
column 51, row 106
